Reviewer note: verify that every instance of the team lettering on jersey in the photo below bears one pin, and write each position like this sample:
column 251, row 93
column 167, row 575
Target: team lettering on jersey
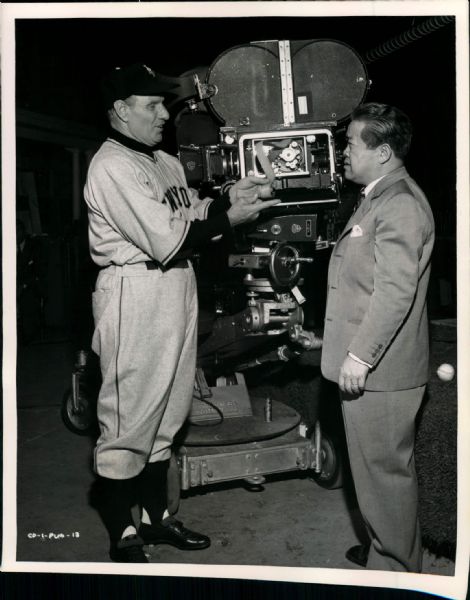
column 176, row 197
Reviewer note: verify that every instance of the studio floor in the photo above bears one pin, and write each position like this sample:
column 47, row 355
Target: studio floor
column 291, row 522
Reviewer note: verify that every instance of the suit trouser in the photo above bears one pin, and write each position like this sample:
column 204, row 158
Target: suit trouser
column 380, row 432
column 145, row 336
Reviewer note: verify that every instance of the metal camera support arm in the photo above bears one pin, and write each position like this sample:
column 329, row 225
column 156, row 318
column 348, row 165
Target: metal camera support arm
column 274, row 302
column 272, row 310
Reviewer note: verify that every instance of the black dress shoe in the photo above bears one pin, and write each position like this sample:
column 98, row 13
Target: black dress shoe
column 128, row 550
column 358, row 555
column 172, row 532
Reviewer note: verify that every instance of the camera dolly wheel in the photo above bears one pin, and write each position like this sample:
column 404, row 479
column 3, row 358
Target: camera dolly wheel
column 77, row 418
column 330, row 476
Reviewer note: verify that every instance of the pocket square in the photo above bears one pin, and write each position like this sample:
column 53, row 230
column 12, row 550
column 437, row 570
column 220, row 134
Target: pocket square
column 356, row 231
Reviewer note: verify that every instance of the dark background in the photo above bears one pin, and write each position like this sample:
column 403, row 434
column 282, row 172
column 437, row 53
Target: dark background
column 58, row 67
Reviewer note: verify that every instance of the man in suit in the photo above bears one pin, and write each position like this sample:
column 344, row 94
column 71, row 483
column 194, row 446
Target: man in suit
column 376, row 333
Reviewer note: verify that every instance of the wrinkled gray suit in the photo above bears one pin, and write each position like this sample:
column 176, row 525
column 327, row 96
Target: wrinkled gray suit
column 376, row 309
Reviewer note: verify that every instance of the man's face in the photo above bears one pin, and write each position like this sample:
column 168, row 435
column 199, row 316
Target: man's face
column 360, row 162
column 146, row 116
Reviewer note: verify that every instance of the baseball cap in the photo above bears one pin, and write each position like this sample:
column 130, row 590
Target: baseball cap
column 138, row 80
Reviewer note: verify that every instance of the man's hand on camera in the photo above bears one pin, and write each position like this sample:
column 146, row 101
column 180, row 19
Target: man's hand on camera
column 247, row 209
column 251, row 186
column 245, row 196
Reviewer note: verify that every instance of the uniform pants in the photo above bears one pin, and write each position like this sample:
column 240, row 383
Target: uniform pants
column 146, row 338
column 380, row 433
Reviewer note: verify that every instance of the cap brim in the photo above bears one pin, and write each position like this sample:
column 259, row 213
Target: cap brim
column 161, row 85
column 155, row 90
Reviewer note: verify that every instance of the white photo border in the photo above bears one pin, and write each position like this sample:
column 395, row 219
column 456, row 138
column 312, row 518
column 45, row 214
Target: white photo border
column 447, row 586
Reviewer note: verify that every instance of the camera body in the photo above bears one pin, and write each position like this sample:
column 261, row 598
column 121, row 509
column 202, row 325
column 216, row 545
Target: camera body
column 275, row 107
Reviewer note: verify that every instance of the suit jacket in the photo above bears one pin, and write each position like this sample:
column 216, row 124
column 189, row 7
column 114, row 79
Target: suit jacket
column 377, row 283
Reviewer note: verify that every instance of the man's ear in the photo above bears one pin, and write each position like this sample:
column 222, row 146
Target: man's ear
column 121, row 108
column 385, row 153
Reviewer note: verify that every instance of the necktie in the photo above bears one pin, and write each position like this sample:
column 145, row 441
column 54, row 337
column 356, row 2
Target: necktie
column 360, row 198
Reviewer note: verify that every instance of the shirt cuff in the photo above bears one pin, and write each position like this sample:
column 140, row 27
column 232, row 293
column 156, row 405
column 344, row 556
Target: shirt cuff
column 354, row 357
column 200, row 232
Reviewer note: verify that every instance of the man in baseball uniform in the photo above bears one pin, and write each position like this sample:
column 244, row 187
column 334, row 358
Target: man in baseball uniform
column 144, row 223
column 376, row 333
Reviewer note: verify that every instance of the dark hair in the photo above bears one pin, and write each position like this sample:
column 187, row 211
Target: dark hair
column 385, row 124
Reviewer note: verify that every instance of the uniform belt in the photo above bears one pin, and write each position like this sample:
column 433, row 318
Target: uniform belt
column 177, row 263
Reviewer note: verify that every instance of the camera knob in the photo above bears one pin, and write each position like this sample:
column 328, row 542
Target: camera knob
column 283, row 267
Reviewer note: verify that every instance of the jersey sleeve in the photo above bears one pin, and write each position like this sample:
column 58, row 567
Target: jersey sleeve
column 131, row 208
column 200, row 207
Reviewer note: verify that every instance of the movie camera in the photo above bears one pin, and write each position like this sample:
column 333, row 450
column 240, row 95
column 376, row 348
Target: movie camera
column 275, row 106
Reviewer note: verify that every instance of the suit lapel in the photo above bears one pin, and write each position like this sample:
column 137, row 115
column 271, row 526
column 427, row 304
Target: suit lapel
column 365, row 205
column 356, row 216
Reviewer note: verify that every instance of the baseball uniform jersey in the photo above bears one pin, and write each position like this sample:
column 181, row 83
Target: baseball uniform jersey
column 140, row 209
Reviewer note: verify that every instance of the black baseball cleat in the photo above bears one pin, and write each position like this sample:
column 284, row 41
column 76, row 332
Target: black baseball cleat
column 172, row 532
column 128, row 550
column 358, row 555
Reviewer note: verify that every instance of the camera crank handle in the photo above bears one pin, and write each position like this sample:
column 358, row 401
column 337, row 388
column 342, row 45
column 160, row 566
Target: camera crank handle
column 303, row 259
column 297, row 260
